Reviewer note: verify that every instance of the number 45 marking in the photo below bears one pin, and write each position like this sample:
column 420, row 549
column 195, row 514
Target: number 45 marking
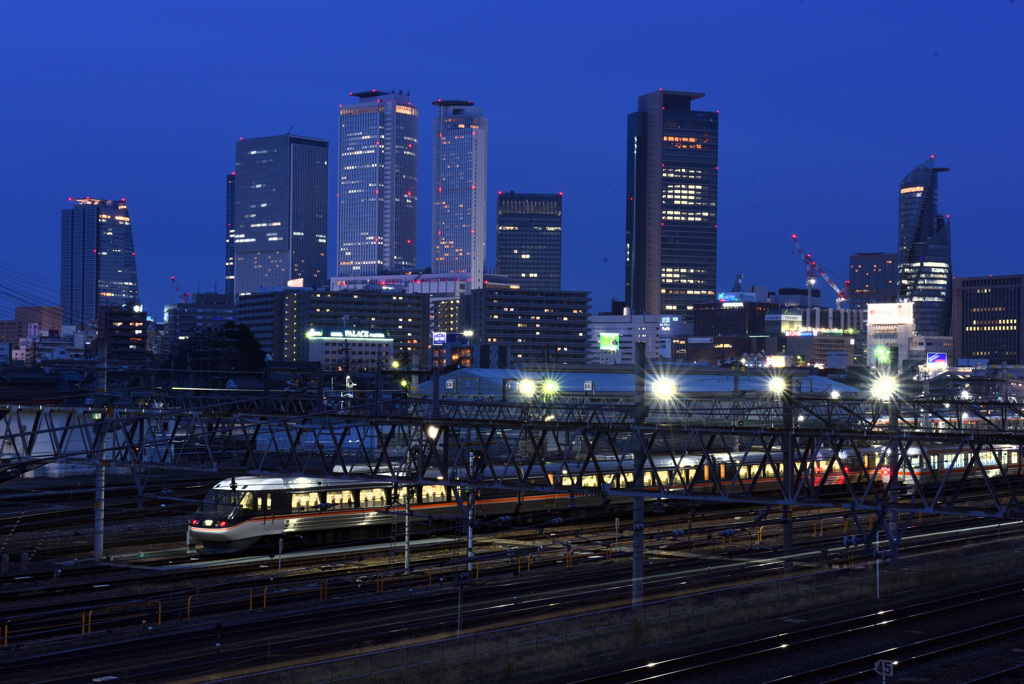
column 884, row 667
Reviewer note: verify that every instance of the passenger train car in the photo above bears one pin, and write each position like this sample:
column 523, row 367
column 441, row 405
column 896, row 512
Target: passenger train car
column 239, row 512
column 933, row 465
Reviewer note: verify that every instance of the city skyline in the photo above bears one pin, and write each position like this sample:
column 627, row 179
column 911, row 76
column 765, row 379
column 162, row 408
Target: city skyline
column 791, row 155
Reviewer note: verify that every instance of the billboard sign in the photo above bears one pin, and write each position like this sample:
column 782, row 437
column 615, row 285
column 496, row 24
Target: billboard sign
column 936, row 360
column 440, row 338
column 891, row 314
column 737, row 297
column 608, row 341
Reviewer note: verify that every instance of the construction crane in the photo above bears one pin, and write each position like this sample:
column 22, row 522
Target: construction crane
column 813, row 271
column 183, row 296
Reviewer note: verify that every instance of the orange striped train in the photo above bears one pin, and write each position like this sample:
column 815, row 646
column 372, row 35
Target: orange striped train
column 239, row 512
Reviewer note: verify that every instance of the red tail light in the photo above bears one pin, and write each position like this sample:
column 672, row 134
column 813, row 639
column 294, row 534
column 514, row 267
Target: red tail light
column 223, row 523
column 884, row 472
column 195, row 522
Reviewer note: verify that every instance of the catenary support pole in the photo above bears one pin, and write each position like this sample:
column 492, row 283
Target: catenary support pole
column 101, row 476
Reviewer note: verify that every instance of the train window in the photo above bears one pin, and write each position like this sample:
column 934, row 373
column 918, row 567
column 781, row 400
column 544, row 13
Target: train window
column 247, row 502
column 433, row 493
column 300, row 501
column 372, row 498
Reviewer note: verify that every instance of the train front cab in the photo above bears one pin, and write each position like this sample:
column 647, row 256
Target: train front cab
column 216, row 522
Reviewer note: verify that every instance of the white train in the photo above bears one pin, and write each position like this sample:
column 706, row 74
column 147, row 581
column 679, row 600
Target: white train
column 239, row 512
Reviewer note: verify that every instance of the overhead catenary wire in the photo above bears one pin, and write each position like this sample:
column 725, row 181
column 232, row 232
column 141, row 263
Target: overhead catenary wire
column 24, row 287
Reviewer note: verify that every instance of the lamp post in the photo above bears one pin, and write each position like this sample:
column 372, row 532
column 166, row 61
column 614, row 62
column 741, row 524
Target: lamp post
column 782, row 387
column 886, row 389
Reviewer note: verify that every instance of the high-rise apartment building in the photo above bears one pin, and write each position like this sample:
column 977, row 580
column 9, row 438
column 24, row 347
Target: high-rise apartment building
column 987, row 319
column 378, row 144
column 459, row 225
column 925, row 270
column 286, row 319
column 874, row 278
column 229, row 249
column 529, row 241
column 538, row 326
column 97, row 259
column 671, row 205
column 280, row 212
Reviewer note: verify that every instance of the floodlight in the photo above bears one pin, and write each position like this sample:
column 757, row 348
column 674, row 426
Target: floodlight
column 884, row 387
column 664, row 389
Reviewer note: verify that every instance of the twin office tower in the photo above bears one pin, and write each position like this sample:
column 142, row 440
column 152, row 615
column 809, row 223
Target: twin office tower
column 277, row 203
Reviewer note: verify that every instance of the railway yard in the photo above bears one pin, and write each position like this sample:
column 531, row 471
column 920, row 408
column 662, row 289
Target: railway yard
column 734, row 538
column 152, row 611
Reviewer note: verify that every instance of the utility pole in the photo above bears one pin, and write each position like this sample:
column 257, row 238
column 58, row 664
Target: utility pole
column 640, row 399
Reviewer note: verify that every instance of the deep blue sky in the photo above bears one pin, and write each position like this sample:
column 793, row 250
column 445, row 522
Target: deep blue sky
column 824, row 107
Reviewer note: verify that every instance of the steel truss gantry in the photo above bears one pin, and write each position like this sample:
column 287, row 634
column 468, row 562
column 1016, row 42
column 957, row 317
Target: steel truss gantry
column 750, row 448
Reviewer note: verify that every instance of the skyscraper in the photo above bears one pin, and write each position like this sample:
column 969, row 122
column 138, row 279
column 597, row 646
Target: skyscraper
column 229, row 249
column 378, row 145
column 529, row 242
column 671, row 204
column 280, row 212
column 459, row 224
column 987, row 319
column 97, row 259
column 874, row 278
column 925, row 271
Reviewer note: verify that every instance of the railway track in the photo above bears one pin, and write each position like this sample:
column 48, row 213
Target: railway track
column 846, row 650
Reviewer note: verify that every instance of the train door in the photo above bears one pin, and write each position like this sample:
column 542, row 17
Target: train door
column 263, row 503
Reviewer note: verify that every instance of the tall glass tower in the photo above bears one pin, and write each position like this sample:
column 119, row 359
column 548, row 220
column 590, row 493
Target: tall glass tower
column 671, row 205
column 925, row 263
column 229, row 239
column 97, row 259
column 459, row 226
column 280, row 212
column 529, row 240
column 378, row 145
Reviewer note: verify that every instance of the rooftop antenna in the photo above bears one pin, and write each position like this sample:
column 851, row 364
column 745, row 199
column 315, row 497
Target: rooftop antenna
column 289, row 130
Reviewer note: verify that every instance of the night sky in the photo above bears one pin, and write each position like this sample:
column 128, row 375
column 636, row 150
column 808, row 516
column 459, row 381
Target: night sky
column 825, row 106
